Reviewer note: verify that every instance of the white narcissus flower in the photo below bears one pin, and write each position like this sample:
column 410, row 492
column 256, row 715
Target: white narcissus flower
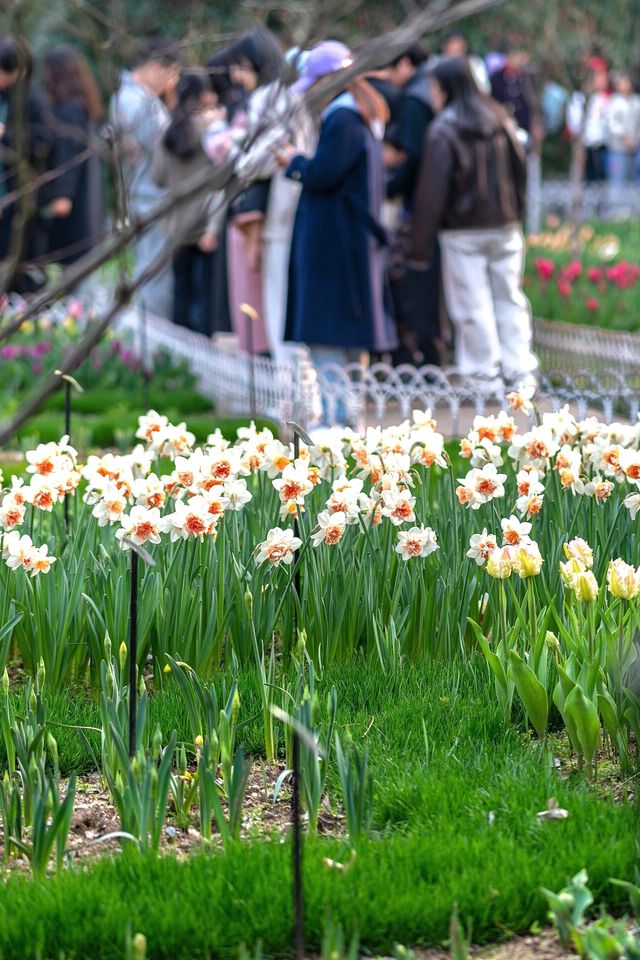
column 149, row 492
column 18, row 551
column 111, row 507
column 40, row 560
column 151, row 427
column 43, row 492
column 276, row 458
column 215, row 500
column 279, row 547
column 293, row 485
column 416, row 542
column 481, row 486
column 481, row 546
column 140, row 526
column 599, row 489
column 422, row 419
column 347, row 502
column 237, row 494
column 190, row 519
column 176, row 441
column 632, row 504
column 530, row 506
column 521, row 399
column 514, row 531
column 397, row 505
column 623, row 580
column 11, row 513
column 630, row 465
column 605, row 456
column 580, row 550
column 428, row 448
column 331, row 527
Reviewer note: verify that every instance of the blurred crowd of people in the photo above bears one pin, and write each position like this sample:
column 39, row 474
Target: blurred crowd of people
column 376, row 207
column 605, row 117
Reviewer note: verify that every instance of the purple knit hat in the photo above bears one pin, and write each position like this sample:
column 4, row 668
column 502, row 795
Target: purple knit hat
column 325, row 58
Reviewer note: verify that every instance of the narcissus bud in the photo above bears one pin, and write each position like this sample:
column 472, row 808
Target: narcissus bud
column 123, row 654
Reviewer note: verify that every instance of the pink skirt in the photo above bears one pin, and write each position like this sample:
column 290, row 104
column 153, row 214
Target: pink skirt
column 245, row 286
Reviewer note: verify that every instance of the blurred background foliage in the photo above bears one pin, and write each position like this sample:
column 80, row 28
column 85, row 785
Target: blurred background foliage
column 558, row 33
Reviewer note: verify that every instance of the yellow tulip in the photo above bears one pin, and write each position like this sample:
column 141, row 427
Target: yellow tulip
column 569, row 570
column 585, row 586
column 623, row 580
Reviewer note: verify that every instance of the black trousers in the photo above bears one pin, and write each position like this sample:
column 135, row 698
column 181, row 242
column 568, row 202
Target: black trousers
column 193, row 289
column 416, row 303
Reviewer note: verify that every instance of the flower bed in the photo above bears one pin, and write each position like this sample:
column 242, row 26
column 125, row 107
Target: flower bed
column 585, row 277
column 451, row 632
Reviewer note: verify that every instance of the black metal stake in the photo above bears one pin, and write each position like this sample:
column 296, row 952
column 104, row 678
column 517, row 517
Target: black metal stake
column 67, row 430
column 298, row 904
column 298, row 901
column 133, row 653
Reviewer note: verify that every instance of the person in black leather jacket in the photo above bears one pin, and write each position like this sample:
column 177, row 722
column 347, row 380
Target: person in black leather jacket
column 471, row 189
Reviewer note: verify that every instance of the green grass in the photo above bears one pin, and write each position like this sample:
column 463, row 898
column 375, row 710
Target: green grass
column 432, row 842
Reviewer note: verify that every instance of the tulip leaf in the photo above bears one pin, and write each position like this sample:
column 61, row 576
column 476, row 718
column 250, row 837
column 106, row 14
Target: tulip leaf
column 531, row 692
column 584, row 715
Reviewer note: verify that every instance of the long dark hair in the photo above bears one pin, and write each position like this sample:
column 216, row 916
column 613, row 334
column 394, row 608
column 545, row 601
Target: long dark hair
column 182, row 137
column 259, row 48
column 475, row 112
column 67, row 78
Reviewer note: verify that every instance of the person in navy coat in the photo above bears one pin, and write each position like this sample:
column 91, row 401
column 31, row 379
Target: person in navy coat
column 336, row 299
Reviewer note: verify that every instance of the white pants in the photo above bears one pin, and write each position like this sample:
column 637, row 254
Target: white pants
column 275, row 283
column 482, row 279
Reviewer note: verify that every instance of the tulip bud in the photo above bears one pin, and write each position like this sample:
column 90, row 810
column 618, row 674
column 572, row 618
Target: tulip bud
column 585, row 587
column 53, row 748
column 248, row 600
column 139, row 945
column 41, row 675
column 551, row 640
column 569, row 570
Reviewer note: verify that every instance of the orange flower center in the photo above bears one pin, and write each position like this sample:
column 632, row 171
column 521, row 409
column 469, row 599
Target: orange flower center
column 45, row 467
column 144, row 530
column 333, row 535
column 403, row 509
column 155, row 499
column 538, row 450
column 290, row 490
column 195, row 525
column 412, row 547
column 512, row 537
column 486, row 487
